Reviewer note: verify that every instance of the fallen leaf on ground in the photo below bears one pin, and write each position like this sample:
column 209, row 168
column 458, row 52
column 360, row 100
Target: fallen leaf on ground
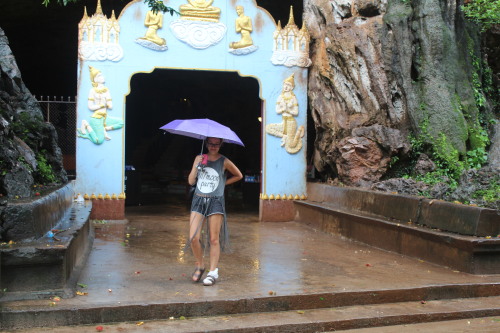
column 300, row 312
column 81, row 293
column 140, row 323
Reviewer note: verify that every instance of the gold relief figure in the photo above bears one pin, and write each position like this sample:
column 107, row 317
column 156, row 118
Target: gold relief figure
column 244, row 27
column 200, row 10
column 287, row 105
column 99, row 101
column 154, row 21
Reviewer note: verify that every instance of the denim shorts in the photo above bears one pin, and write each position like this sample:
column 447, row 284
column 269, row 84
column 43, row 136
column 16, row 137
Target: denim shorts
column 207, row 206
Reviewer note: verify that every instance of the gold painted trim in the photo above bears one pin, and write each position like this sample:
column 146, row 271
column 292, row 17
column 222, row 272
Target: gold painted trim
column 107, row 196
column 264, row 196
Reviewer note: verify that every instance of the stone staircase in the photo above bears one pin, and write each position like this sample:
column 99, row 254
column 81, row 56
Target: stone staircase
column 461, row 237
column 293, row 313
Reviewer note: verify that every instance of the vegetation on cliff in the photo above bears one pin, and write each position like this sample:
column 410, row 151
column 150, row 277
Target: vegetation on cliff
column 484, row 12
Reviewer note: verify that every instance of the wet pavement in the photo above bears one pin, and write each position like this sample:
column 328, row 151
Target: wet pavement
column 142, row 261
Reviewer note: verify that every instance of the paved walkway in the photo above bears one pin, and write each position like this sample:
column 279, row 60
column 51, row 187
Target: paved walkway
column 142, row 261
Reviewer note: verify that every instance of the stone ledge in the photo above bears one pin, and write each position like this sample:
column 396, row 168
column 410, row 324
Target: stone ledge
column 456, row 218
column 344, row 217
column 31, row 220
column 48, row 266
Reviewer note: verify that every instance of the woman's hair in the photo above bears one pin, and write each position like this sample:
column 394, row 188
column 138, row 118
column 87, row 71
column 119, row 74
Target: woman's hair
column 221, row 140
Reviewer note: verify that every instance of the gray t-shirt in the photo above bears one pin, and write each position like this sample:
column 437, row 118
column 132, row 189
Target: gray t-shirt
column 212, row 179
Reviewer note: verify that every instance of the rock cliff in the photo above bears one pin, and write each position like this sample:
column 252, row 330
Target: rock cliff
column 385, row 70
column 29, row 153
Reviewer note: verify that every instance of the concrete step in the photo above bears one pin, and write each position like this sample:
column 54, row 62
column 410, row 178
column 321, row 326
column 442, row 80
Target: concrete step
column 43, row 314
column 315, row 320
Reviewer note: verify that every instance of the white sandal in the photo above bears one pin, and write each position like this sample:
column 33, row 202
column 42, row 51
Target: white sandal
column 209, row 280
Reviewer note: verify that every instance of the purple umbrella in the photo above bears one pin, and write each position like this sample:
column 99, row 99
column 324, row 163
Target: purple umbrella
column 202, row 129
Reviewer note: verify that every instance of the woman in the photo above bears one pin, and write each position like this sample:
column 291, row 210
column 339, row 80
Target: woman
column 208, row 203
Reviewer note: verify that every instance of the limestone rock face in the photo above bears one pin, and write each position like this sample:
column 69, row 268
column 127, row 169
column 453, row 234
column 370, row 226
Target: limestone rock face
column 23, row 134
column 494, row 154
column 383, row 69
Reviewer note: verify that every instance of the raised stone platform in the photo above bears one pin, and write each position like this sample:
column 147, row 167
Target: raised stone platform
column 27, row 220
column 41, row 264
column 458, row 236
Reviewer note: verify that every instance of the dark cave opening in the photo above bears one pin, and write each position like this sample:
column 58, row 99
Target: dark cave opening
column 158, row 162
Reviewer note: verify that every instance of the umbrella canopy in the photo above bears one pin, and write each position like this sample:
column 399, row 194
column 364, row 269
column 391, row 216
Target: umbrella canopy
column 202, row 129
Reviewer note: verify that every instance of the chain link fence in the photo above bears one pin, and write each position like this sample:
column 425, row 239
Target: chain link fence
column 62, row 114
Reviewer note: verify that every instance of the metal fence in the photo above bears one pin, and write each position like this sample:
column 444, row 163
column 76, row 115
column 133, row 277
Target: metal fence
column 62, row 114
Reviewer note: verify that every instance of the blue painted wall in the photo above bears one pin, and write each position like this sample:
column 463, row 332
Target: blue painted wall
column 100, row 168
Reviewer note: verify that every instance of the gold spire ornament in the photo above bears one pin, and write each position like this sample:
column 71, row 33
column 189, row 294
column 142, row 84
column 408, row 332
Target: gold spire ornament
column 98, row 37
column 291, row 80
column 291, row 44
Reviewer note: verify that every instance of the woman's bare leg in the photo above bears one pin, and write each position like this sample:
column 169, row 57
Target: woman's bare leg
column 214, row 223
column 195, row 226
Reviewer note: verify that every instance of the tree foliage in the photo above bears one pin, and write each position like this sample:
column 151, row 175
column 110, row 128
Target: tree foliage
column 154, row 5
column 484, row 12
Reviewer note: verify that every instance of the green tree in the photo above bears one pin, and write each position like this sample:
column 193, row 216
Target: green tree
column 484, row 12
column 155, row 5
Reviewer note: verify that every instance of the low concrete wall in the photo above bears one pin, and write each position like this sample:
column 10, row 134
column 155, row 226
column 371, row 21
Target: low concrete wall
column 389, row 222
column 48, row 266
column 30, row 220
column 461, row 219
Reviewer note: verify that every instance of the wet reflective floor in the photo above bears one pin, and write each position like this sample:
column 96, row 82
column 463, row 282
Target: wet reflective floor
column 141, row 260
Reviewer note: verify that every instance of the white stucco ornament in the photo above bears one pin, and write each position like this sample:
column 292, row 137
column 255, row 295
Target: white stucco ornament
column 198, row 34
column 290, row 59
column 100, row 51
column 291, row 45
column 150, row 45
column 244, row 50
column 99, row 37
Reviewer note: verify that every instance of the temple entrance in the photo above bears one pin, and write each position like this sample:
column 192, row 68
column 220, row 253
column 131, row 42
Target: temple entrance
column 232, row 63
column 157, row 163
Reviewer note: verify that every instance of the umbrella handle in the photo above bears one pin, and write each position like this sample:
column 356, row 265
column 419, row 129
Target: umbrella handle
column 200, row 165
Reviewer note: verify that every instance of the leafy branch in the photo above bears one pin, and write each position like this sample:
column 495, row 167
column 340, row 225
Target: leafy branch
column 484, row 12
column 154, row 5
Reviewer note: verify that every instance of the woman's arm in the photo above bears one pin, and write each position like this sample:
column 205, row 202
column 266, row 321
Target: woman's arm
column 194, row 170
column 233, row 170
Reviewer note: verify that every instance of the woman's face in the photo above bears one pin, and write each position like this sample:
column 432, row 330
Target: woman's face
column 213, row 144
